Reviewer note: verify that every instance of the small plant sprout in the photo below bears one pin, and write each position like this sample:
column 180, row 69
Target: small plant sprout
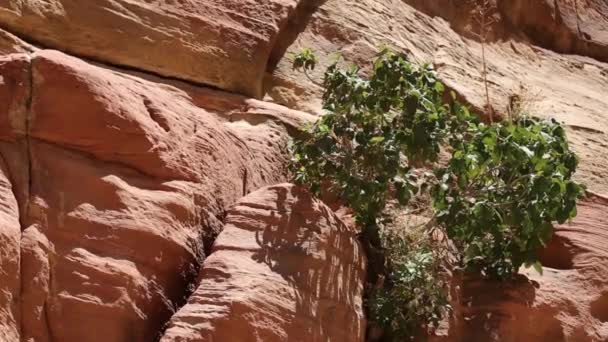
column 305, row 61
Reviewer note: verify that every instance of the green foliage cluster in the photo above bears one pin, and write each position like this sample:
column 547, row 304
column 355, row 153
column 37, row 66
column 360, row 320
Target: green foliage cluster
column 415, row 299
column 373, row 132
column 504, row 187
column 496, row 199
column 304, row 60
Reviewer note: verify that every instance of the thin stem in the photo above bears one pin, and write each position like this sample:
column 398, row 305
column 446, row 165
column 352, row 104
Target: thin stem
column 483, row 33
column 311, row 79
column 485, row 81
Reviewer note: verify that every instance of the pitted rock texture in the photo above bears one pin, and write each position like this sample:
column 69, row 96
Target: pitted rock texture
column 225, row 44
column 120, row 182
column 285, row 268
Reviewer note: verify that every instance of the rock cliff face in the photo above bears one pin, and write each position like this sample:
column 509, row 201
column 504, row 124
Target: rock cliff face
column 155, row 126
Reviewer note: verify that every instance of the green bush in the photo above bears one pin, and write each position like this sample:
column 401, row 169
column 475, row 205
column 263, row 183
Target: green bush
column 414, row 298
column 372, row 133
column 496, row 199
column 504, row 187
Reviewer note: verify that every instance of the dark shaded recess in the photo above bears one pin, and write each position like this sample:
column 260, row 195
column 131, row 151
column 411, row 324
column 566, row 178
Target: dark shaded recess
column 558, row 254
column 295, row 26
column 599, row 308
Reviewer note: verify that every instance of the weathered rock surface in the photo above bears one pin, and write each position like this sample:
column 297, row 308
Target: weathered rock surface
column 9, row 43
column 566, row 26
column 120, row 182
column 285, row 268
column 225, row 44
column 10, row 234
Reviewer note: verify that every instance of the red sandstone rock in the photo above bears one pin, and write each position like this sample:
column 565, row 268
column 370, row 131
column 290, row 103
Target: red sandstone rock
column 9, row 43
column 10, row 234
column 568, row 26
column 120, row 181
column 285, row 268
column 220, row 43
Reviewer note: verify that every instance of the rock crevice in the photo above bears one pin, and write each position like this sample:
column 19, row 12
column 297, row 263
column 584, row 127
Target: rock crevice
column 284, row 268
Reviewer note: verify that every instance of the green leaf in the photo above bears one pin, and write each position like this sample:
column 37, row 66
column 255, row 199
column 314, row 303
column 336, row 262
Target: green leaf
column 376, row 140
column 538, row 267
column 439, row 87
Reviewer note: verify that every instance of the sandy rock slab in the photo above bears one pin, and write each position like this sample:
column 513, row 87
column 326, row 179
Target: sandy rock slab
column 285, row 268
column 225, row 44
column 112, row 188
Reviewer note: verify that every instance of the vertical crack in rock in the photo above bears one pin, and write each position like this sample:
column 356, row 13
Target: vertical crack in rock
column 28, row 121
column 578, row 19
column 25, row 205
column 290, row 31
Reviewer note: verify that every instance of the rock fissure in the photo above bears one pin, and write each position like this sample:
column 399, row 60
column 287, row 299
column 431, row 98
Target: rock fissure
column 296, row 24
column 25, row 206
column 280, row 272
column 28, row 141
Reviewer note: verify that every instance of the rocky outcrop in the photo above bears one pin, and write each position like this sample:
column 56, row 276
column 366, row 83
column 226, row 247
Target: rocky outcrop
column 120, row 181
column 567, row 26
column 285, row 268
column 225, row 44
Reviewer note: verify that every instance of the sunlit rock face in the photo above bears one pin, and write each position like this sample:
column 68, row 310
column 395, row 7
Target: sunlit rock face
column 225, row 44
column 158, row 125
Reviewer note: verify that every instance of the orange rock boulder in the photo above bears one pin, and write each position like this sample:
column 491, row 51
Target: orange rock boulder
column 285, row 268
